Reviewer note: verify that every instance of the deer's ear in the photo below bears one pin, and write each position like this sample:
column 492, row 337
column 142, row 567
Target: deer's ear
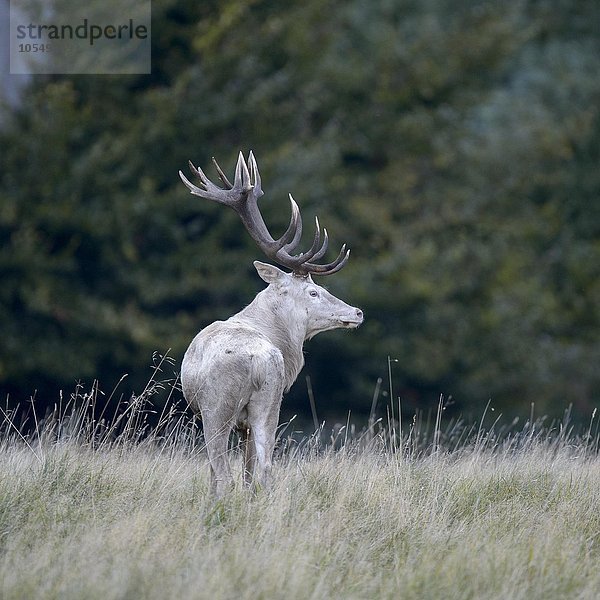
column 269, row 273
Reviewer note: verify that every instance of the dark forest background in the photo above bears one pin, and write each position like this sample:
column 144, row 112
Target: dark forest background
column 454, row 145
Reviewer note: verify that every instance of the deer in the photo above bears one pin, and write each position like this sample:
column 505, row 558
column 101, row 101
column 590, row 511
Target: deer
column 235, row 372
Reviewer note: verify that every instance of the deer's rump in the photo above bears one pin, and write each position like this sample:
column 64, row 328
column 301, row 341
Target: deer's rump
column 224, row 365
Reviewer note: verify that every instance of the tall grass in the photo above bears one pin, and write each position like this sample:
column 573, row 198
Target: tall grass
column 92, row 508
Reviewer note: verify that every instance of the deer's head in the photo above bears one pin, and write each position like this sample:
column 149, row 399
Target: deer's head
column 300, row 300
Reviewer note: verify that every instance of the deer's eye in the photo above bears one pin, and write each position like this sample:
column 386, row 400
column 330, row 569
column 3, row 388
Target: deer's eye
column 313, row 293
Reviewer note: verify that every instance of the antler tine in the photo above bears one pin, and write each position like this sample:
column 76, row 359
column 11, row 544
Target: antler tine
column 332, row 267
column 193, row 189
column 315, row 245
column 315, row 253
column 291, row 238
column 208, row 189
column 221, row 174
column 324, row 247
column 242, row 175
column 314, row 250
column 197, row 171
column 255, row 175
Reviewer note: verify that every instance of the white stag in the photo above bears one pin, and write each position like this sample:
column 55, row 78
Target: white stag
column 235, row 372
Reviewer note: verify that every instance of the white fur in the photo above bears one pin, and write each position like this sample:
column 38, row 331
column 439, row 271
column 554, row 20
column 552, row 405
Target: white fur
column 235, row 372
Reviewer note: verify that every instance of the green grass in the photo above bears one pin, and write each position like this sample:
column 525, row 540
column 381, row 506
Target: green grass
column 87, row 511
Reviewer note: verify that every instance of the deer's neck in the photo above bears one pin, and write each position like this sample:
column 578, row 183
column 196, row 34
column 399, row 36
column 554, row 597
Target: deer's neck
column 284, row 329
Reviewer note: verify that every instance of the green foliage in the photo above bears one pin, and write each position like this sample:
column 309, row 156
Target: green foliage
column 453, row 145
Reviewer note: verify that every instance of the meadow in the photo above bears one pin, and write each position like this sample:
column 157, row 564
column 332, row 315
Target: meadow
column 90, row 509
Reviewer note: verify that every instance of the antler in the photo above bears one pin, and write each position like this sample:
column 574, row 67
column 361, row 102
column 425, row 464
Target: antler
column 242, row 195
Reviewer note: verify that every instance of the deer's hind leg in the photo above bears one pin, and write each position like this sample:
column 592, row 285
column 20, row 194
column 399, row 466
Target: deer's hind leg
column 263, row 435
column 263, row 417
column 216, row 438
